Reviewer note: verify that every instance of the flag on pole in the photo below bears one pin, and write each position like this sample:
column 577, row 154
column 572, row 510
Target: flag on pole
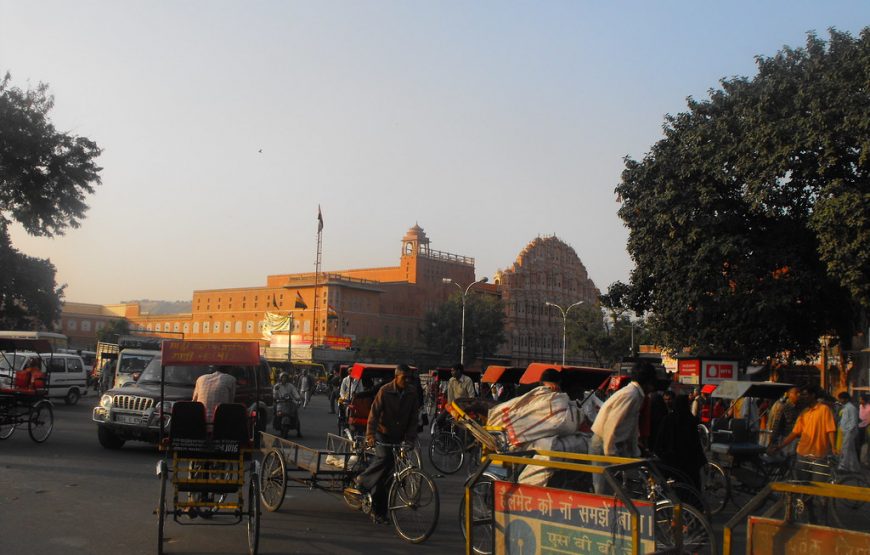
column 274, row 302
column 300, row 302
column 319, row 220
column 331, row 314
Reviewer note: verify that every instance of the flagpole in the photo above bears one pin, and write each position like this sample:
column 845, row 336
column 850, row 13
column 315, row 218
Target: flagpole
column 316, row 323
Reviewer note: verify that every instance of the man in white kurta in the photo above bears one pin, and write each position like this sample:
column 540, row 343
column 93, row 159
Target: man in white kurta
column 615, row 430
column 848, row 425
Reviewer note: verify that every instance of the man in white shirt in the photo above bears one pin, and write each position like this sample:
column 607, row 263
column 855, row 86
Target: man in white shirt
column 460, row 386
column 615, row 430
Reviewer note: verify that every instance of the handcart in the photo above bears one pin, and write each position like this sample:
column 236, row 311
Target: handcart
column 24, row 404
column 215, row 481
column 412, row 500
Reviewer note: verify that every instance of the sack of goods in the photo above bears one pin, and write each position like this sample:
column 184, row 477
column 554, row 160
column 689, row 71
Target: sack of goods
column 539, row 413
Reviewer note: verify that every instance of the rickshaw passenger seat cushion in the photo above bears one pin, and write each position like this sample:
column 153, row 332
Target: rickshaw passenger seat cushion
column 738, row 449
column 188, row 421
column 231, row 423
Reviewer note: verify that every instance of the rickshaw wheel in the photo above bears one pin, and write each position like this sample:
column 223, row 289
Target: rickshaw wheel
column 715, row 487
column 482, row 495
column 273, row 481
column 6, row 430
column 161, row 514
column 254, row 514
column 41, row 421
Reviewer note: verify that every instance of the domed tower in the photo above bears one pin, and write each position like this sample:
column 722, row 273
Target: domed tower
column 415, row 242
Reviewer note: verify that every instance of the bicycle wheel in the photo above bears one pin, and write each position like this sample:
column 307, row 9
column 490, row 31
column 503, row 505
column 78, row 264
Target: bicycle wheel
column 697, row 533
column 253, row 514
column 273, row 481
column 689, row 495
column 474, row 456
column 41, row 421
column 715, row 487
column 413, row 505
column 482, row 499
column 445, row 453
column 7, row 428
column 846, row 512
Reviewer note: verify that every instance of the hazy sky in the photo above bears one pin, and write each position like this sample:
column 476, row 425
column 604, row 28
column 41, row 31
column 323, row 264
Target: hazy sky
column 488, row 123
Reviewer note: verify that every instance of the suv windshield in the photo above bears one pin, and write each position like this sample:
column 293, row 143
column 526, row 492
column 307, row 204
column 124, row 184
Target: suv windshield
column 133, row 363
column 187, row 375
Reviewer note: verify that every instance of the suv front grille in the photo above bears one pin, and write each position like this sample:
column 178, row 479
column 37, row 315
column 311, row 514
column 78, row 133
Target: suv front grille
column 132, row 402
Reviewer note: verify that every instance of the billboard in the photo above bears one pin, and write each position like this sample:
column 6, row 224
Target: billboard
column 548, row 521
column 714, row 371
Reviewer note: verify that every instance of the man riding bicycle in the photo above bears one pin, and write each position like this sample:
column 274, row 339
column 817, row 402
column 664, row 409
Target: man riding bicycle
column 392, row 419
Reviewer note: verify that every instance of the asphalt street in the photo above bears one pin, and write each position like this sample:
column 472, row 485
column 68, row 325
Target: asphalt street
column 71, row 496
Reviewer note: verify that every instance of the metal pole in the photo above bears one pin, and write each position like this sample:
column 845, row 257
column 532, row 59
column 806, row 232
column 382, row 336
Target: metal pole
column 564, row 312
column 462, row 333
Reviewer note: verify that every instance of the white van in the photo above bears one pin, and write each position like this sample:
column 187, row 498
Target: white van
column 67, row 378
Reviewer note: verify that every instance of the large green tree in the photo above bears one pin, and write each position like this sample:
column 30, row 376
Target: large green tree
column 604, row 336
column 749, row 220
column 45, row 176
column 484, row 327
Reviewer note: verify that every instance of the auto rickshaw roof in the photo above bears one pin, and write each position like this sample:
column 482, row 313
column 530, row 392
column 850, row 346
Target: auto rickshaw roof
column 502, row 374
column 733, row 389
column 224, row 353
column 582, row 377
column 362, row 370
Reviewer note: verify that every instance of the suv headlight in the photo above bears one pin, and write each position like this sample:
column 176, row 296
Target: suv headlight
column 106, row 402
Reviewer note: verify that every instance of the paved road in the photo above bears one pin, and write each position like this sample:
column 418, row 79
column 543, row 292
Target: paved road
column 71, row 496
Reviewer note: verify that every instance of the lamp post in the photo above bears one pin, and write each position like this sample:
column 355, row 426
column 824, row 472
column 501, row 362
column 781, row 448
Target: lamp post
column 564, row 312
column 464, row 295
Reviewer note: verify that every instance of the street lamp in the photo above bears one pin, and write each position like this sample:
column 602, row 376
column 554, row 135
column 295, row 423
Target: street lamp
column 564, row 312
column 464, row 295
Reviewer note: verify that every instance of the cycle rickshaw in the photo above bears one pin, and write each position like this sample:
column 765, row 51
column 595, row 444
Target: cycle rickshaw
column 413, row 504
column 24, row 404
column 505, row 377
column 215, row 480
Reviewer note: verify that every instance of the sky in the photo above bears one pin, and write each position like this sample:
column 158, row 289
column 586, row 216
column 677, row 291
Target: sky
column 224, row 125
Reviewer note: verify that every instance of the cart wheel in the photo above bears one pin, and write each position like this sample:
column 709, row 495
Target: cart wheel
column 446, row 453
column 482, row 499
column 698, row 536
column 41, row 421
column 715, row 487
column 254, row 513
column 161, row 513
column 848, row 513
column 413, row 506
column 273, row 482
column 6, row 430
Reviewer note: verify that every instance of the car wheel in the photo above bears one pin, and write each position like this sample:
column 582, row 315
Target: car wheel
column 109, row 439
column 72, row 397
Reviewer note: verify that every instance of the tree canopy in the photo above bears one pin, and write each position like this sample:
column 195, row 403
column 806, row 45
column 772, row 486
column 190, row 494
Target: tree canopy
column 748, row 222
column 484, row 327
column 607, row 337
column 45, row 176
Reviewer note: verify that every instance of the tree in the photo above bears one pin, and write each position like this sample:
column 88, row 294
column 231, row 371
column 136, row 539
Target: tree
column 749, row 220
column 113, row 331
column 605, row 337
column 45, row 176
column 484, row 327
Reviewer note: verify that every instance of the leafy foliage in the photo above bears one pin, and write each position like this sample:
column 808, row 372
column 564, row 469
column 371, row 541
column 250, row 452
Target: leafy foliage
column 45, row 176
column 749, row 219
column 607, row 338
column 111, row 332
column 484, row 326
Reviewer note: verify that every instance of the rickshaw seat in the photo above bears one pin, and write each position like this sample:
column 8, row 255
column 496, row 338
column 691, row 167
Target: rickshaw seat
column 188, row 421
column 739, row 440
column 231, row 423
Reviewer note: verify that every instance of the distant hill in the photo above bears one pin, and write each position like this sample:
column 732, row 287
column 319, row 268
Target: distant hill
column 163, row 307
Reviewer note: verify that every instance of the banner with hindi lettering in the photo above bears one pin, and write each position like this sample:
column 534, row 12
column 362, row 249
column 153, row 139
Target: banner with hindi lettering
column 547, row 521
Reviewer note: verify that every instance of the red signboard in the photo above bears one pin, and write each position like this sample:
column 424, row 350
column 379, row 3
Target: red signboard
column 767, row 536
column 689, row 371
column 230, row 353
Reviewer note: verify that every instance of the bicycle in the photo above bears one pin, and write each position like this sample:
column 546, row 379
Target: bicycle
column 450, row 445
column 838, row 512
column 413, row 504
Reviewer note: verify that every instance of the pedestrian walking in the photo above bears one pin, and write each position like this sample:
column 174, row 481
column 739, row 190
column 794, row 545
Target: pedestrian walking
column 848, row 424
column 306, row 387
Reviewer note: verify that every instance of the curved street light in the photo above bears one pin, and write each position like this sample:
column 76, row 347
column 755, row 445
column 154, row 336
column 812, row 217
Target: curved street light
column 464, row 295
column 564, row 312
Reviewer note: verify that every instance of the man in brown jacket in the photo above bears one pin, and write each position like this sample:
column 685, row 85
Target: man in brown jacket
column 393, row 419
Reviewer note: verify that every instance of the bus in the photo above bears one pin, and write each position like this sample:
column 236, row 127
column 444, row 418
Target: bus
column 56, row 340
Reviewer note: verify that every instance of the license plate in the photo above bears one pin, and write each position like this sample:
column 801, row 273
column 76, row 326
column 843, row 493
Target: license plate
column 127, row 419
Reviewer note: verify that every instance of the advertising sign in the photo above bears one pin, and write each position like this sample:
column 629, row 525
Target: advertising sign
column 714, row 371
column 767, row 536
column 689, row 371
column 548, row 521
column 231, row 353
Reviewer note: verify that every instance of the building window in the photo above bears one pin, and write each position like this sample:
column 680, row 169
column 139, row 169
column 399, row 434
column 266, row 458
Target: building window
column 205, row 327
column 156, row 327
column 238, row 326
column 71, row 324
column 99, row 326
column 186, row 328
column 249, row 326
column 86, row 325
column 196, row 327
column 176, row 327
column 216, row 327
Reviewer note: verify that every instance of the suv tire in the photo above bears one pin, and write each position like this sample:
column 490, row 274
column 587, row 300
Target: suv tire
column 108, row 439
column 72, row 397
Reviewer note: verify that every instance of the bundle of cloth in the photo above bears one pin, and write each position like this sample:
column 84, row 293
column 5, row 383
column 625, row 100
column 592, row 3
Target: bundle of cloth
column 542, row 419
